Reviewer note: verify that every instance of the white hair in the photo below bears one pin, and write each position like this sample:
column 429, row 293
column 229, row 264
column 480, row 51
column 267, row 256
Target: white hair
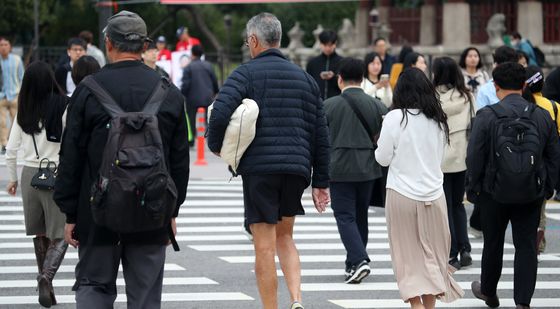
column 267, row 28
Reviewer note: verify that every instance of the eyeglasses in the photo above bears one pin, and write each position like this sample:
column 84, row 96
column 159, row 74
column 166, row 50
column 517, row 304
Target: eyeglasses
column 77, row 49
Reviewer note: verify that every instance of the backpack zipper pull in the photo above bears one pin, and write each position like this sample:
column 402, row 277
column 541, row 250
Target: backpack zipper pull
column 532, row 160
column 509, row 149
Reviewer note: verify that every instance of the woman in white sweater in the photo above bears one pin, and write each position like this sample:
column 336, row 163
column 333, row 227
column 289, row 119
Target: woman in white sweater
column 412, row 144
column 37, row 133
column 374, row 83
column 458, row 104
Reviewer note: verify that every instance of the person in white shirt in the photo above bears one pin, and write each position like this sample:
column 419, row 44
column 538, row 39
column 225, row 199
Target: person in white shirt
column 37, row 132
column 63, row 74
column 412, row 144
column 375, row 83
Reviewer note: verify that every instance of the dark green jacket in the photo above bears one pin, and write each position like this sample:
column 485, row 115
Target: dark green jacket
column 352, row 152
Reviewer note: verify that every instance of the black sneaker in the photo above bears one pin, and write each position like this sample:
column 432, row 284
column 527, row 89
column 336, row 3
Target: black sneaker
column 557, row 196
column 358, row 273
column 454, row 262
column 466, row 259
column 3, row 150
column 347, row 271
column 492, row 302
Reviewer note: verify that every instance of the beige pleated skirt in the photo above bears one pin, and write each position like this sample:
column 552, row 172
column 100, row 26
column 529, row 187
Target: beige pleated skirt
column 420, row 242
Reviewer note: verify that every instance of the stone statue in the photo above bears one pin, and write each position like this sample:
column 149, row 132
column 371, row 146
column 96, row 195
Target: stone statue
column 296, row 36
column 347, row 35
column 316, row 33
column 496, row 29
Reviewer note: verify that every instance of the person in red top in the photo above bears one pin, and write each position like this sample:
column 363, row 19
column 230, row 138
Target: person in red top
column 186, row 42
column 163, row 52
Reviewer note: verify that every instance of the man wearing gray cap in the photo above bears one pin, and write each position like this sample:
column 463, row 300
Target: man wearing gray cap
column 130, row 87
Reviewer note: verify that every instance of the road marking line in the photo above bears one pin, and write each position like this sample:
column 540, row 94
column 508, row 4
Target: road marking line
column 392, row 286
column 460, row 303
column 166, row 297
column 389, row 271
column 373, row 257
column 67, row 269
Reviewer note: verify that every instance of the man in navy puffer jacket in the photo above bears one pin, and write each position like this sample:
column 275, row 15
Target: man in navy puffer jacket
column 291, row 144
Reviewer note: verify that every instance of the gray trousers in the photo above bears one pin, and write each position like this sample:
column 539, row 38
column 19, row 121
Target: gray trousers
column 97, row 269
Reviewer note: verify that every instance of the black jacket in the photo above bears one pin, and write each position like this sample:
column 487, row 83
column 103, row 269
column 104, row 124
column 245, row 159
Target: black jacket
column 199, row 83
column 478, row 150
column 329, row 88
column 61, row 74
column 551, row 88
column 130, row 83
column 291, row 135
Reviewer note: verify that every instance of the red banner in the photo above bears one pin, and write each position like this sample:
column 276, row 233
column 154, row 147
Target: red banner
column 242, row 1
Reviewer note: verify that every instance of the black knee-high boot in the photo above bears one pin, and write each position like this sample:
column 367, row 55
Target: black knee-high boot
column 53, row 259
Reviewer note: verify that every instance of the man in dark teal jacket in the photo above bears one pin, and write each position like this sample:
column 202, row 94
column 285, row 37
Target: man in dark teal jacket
column 354, row 118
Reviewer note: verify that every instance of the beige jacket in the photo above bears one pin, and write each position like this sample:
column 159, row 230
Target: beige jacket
column 459, row 113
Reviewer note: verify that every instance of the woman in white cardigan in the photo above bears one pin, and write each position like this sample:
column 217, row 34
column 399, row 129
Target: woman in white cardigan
column 37, row 133
column 458, row 104
column 412, row 143
column 374, row 83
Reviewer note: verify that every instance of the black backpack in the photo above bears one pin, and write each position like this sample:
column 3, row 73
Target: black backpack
column 540, row 57
column 515, row 172
column 134, row 191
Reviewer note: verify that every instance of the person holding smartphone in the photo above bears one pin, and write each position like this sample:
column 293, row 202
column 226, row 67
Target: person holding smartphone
column 324, row 67
column 375, row 83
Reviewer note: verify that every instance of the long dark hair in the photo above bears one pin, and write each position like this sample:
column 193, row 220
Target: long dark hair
column 410, row 59
column 369, row 59
column 37, row 87
column 463, row 58
column 83, row 67
column 535, row 82
column 447, row 73
column 405, row 50
column 415, row 91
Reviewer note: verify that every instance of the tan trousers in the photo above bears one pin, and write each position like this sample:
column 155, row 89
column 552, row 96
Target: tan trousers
column 6, row 107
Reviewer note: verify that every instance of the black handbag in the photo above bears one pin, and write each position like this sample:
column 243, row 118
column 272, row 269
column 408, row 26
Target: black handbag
column 45, row 176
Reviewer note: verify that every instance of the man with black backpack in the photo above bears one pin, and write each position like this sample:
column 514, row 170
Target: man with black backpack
column 123, row 173
column 512, row 165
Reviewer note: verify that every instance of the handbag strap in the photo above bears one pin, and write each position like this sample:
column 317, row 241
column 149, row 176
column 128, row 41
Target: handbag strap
column 358, row 114
column 35, row 145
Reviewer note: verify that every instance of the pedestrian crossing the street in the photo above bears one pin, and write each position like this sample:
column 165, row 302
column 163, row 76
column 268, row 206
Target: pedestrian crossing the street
column 210, row 233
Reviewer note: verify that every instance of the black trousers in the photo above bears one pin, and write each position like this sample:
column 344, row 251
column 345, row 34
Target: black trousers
column 350, row 203
column 524, row 220
column 97, row 269
column 454, row 187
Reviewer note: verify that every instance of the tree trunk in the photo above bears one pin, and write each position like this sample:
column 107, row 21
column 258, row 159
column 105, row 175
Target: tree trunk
column 201, row 24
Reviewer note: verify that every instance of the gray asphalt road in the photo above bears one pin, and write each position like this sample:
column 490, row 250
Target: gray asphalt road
column 214, row 267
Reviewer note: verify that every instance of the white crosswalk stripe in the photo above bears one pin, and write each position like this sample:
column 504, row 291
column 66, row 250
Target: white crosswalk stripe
column 210, row 223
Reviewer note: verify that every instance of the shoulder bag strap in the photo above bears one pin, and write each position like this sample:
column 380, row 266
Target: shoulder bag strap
column 104, row 98
column 358, row 114
column 35, row 146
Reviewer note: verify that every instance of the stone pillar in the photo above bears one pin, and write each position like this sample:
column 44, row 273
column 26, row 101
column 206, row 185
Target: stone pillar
column 428, row 23
column 383, row 8
column 456, row 24
column 362, row 24
column 530, row 21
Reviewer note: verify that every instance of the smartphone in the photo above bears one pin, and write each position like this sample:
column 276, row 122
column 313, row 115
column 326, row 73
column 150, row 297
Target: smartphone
column 384, row 77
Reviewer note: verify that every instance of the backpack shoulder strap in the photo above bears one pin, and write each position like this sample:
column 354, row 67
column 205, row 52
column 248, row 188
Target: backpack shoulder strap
column 498, row 110
column 104, row 98
column 555, row 109
column 157, row 97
